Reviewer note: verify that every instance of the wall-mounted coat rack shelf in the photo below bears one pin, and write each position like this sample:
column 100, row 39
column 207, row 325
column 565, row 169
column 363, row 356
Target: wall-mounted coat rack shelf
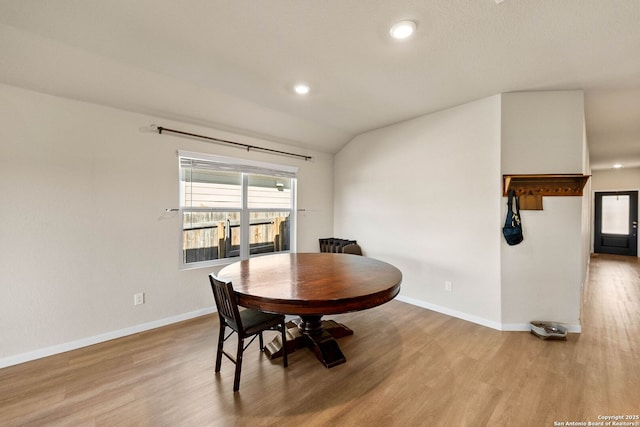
column 531, row 188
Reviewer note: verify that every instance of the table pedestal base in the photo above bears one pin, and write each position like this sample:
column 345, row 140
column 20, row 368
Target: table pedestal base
column 315, row 334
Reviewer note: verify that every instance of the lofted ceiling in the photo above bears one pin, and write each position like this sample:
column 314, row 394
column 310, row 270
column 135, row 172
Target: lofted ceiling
column 232, row 64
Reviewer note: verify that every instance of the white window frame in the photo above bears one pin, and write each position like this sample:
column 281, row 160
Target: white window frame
column 246, row 167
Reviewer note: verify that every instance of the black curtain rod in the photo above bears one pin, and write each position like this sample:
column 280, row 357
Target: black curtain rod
column 224, row 141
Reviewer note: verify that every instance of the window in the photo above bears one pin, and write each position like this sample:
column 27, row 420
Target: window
column 615, row 214
column 233, row 208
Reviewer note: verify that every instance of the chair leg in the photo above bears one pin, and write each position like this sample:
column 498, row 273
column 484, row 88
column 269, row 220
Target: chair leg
column 236, row 380
column 283, row 329
column 220, row 344
column 261, row 342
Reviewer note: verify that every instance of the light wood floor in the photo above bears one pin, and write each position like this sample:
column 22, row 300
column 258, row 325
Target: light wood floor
column 407, row 366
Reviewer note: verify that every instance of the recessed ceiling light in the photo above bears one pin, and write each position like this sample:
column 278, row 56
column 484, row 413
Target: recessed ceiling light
column 402, row 30
column 301, row 88
column 617, row 166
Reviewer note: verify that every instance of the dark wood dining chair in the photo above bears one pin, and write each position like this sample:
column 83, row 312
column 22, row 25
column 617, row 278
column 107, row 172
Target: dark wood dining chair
column 246, row 323
column 352, row 248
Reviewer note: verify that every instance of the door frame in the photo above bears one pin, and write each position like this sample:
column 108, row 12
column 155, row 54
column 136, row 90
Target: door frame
column 594, row 221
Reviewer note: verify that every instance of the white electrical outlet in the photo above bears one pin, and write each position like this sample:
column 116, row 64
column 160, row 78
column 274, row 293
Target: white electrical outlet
column 448, row 286
column 138, row 299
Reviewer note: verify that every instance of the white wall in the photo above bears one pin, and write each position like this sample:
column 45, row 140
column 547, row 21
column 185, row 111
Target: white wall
column 425, row 196
column 587, row 221
column 542, row 278
column 615, row 179
column 83, row 224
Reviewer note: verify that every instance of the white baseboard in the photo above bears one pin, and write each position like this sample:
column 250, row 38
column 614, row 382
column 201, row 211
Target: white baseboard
column 520, row 327
column 84, row 342
column 573, row 329
column 453, row 313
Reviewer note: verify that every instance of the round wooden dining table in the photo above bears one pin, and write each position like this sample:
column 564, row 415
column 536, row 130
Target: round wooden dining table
column 312, row 285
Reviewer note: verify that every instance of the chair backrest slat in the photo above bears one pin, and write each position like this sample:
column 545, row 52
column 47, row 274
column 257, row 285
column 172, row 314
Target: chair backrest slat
column 225, row 301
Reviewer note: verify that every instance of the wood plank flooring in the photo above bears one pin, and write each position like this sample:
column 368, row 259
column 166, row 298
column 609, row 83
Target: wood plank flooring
column 406, row 366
